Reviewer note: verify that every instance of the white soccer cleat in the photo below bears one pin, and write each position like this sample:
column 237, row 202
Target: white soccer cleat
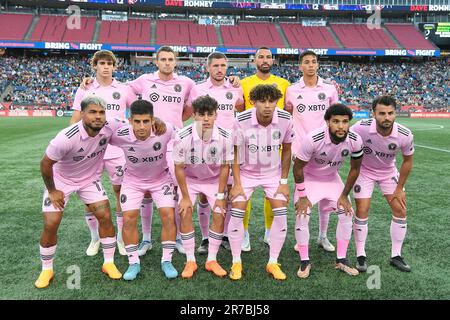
column 93, row 248
column 325, row 244
column 246, row 243
column 121, row 247
column 144, row 247
column 179, row 246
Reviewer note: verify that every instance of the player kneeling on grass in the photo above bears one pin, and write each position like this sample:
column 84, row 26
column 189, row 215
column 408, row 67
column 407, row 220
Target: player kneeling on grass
column 260, row 133
column 383, row 138
column 317, row 180
column 146, row 172
column 202, row 154
column 71, row 164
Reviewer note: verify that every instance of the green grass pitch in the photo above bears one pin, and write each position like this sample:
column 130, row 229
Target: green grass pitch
column 23, row 141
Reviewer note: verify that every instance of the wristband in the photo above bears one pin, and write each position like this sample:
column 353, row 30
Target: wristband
column 283, row 181
column 300, row 189
column 220, row 196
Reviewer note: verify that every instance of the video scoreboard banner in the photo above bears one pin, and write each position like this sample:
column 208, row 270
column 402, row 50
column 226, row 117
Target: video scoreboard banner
column 436, row 32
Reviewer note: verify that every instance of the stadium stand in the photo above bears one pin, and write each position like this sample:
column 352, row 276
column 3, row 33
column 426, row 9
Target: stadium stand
column 308, row 37
column 251, row 34
column 54, row 28
column 185, row 33
column 14, row 26
column 133, row 31
column 409, row 37
column 358, row 36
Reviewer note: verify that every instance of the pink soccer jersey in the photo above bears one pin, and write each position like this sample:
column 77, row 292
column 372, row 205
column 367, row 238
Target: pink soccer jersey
column 258, row 146
column 380, row 152
column 145, row 160
column 118, row 98
column 78, row 155
column 309, row 106
column 168, row 97
column 203, row 159
column 323, row 156
column 227, row 97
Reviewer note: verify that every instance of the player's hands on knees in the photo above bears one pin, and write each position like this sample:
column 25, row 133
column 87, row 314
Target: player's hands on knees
column 220, row 206
column 57, row 199
column 284, row 190
column 185, row 206
column 86, row 82
column 235, row 81
column 235, row 192
column 344, row 203
column 159, row 127
column 302, row 205
column 400, row 196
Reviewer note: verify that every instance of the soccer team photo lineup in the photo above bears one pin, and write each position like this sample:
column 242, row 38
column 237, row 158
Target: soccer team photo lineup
column 175, row 173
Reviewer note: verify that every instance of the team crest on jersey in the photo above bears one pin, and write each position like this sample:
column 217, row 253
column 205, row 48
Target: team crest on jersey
column 357, row 188
column 301, row 108
column 322, row 96
column 345, row 153
column 78, row 158
column 229, row 95
column 392, row 146
column 133, row 159
column 123, row 198
column 177, row 88
column 194, row 160
column 116, row 95
column 157, row 146
column 47, row 202
column 102, row 142
column 367, row 150
column 276, row 135
column 213, row 151
column 154, row 97
column 253, row 148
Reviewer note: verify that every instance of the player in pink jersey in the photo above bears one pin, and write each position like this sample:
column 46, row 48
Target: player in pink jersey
column 316, row 167
column 383, row 139
column 230, row 100
column 146, row 172
column 118, row 98
column 260, row 133
column 203, row 153
column 71, row 164
column 307, row 100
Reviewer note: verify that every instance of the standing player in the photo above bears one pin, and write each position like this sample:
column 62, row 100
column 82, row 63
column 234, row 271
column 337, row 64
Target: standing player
column 146, row 171
column 260, row 134
column 316, row 168
column 230, row 100
column 383, row 138
column 307, row 100
column 202, row 154
column 118, row 98
column 71, row 164
column 263, row 62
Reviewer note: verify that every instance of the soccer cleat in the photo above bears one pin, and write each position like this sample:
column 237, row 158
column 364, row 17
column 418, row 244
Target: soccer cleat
column 44, row 279
column 400, row 264
column 189, row 268
column 236, row 271
column 144, row 246
column 121, row 247
column 111, row 270
column 361, row 265
column 304, row 270
column 179, row 246
column 225, row 244
column 275, row 270
column 344, row 265
column 169, row 271
column 325, row 244
column 92, row 250
column 246, row 243
column 132, row 272
column 214, row 267
column 203, row 248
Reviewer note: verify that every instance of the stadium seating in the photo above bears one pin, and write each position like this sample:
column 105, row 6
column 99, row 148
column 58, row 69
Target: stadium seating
column 251, row 34
column 14, row 26
column 358, row 36
column 133, row 31
column 308, row 37
column 54, row 28
column 409, row 37
column 174, row 32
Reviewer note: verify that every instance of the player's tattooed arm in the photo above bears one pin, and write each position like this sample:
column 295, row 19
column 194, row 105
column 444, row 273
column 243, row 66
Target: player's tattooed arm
column 405, row 170
column 303, row 203
column 56, row 196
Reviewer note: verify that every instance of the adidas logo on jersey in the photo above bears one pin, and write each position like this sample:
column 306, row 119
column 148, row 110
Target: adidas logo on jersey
column 81, row 150
column 299, row 96
column 323, row 154
column 369, row 141
column 154, row 86
column 131, row 149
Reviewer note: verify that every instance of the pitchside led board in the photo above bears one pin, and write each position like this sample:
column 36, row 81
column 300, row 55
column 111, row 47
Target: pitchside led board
column 436, row 32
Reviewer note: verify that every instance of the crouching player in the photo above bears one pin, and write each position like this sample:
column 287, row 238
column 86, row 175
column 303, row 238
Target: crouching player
column 202, row 154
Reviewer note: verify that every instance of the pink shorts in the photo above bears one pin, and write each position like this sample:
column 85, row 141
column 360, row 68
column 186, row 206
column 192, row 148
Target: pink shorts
column 115, row 168
column 162, row 191
column 196, row 187
column 364, row 185
column 326, row 192
column 88, row 194
column 270, row 187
